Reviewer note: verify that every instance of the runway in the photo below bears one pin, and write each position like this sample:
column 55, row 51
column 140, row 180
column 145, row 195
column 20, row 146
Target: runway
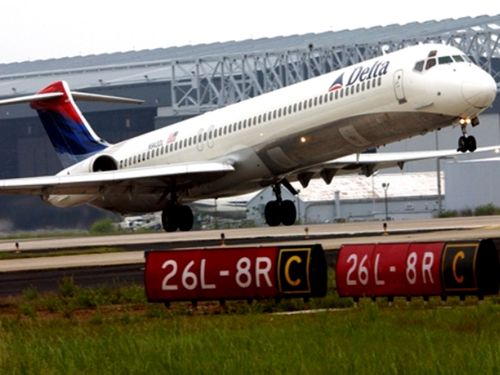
column 126, row 266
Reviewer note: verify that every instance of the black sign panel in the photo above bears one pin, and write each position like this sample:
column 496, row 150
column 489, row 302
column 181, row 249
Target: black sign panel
column 459, row 267
column 293, row 270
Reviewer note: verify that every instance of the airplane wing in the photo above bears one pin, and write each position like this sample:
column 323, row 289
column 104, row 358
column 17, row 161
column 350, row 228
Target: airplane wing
column 368, row 163
column 140, row 180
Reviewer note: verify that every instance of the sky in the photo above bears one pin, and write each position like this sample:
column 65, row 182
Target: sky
column 34, row 29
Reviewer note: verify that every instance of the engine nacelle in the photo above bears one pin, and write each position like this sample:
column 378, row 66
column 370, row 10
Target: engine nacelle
column 103, row 163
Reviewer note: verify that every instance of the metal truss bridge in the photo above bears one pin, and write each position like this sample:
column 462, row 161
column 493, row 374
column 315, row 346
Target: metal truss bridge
column 207, row 83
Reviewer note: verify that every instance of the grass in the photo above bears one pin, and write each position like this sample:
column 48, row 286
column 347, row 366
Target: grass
column 109, row 331
column 366, row 340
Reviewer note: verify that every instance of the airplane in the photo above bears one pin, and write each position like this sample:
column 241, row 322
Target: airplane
column 294, row 133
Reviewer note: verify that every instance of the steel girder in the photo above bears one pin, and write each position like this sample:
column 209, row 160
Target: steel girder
column 205, row 84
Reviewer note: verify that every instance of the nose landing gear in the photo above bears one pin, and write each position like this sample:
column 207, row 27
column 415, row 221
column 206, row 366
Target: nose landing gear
column 467, row 142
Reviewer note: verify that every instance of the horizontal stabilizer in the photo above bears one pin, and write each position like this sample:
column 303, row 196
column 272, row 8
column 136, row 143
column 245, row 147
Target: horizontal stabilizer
column 75, row 94
column 104, row 98
column 31, row 98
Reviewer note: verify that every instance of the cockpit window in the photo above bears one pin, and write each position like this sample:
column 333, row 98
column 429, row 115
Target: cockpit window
column 445, row 60
column 458, row 58
column 430, row 63
column 419, row 66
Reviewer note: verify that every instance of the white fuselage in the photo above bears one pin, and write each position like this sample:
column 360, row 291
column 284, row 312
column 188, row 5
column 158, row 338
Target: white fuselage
column 283, row 132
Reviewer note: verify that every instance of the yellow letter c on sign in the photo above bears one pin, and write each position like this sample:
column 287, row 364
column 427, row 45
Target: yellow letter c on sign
column 461, row 255
column 291, row 282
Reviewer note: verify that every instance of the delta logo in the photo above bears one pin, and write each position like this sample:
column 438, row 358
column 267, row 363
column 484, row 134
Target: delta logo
column 361, row 74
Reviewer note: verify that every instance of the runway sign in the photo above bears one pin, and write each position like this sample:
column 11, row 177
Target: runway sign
column 235, row 273
column 418, row 269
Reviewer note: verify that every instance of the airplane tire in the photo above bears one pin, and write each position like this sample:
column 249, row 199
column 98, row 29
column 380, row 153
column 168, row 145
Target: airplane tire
column 288, row 212
column 272, row 213
column 470, row 144
column 184, row 218
column 168, row 220
column 462, row 144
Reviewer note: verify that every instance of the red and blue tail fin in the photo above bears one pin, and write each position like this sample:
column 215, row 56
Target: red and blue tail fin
column 70, row 134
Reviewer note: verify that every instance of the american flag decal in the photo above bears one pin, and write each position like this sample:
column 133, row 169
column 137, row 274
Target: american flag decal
column 171, row 137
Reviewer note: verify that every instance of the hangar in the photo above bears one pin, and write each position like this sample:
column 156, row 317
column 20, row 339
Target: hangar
column 180, row 82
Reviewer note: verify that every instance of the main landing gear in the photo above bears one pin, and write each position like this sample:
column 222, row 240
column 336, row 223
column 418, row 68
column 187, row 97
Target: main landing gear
column 176, row 216
column 467, row 142
column 281, row 211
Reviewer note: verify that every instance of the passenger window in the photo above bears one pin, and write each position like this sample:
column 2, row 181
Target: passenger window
column 315, row 102
column 352, row 90
column 419, row 66
column 265, row 117
column 347, row 91
column 259, row 119
column 331, row 96
column 300, row 106
column 379, row 81
column 336, row 95
column 357, row 88
column 295, row 108
column 430, row 63
column 341, row 93
column 310, row 103
column 445, row 60
column 279, row 112
column 363, row 86
column 320, row 100
column 368, row 85
column 185, row 143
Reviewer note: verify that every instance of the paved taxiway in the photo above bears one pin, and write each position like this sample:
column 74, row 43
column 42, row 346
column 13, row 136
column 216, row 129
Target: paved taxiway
column 331, row 237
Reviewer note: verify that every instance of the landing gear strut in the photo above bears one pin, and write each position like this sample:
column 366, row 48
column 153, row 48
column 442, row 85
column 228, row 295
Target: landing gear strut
column 466, row 142
column 176, row 216
column 280, row 211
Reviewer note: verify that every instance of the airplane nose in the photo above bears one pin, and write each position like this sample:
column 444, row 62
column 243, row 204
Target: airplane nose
column 479, row 89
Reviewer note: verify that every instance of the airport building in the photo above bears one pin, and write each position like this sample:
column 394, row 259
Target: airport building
column 180, row 82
